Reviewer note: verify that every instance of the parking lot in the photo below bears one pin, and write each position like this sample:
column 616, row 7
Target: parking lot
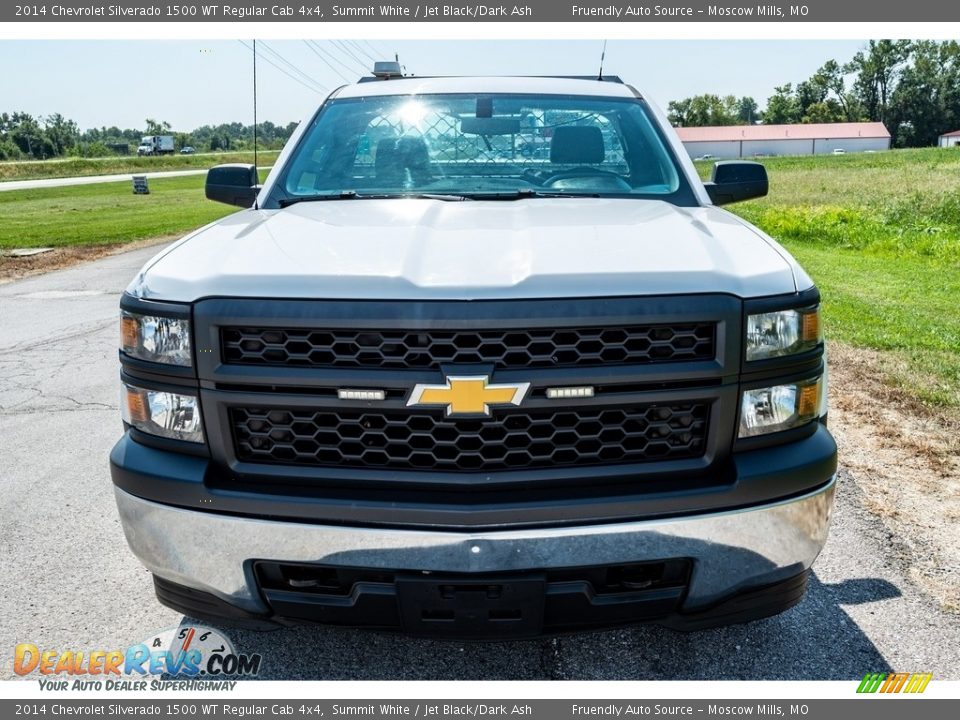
column 71, row 583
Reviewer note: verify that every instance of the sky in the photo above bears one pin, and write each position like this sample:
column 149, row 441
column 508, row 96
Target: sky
column 193, row 83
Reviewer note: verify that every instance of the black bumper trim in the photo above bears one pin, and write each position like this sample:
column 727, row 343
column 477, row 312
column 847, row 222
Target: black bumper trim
column 376, row 608
column 750, row 478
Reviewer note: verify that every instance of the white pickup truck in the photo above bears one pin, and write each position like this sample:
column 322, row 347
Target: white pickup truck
column 427, row 382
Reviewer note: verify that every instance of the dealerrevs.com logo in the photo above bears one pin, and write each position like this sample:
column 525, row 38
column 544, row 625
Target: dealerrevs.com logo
column 196, row 655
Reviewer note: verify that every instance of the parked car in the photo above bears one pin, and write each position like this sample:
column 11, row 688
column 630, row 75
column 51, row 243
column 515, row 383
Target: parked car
column 427, row 393
column 839, row 151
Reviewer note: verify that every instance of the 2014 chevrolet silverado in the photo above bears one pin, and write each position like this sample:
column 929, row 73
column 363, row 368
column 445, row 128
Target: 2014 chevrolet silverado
column 481, row 358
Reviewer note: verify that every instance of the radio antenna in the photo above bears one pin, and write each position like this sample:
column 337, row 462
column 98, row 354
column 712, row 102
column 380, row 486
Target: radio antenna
column 256, row 165
column 603, row 54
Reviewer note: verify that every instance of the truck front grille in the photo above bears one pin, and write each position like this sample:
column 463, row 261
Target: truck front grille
column 432, row 442
column 511, row 348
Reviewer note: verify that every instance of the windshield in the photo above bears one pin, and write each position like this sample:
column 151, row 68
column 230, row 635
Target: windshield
column 482, row 145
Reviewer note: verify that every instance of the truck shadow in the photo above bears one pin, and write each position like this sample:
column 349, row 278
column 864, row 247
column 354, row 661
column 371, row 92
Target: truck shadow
column 816, row 640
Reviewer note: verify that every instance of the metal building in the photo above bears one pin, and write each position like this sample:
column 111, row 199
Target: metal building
column 951, row 139
column 767, row 140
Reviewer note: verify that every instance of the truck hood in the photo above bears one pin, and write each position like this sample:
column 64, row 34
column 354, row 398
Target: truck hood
column 397, row 249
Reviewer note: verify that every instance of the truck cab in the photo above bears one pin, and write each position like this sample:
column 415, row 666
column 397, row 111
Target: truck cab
column 424, row 381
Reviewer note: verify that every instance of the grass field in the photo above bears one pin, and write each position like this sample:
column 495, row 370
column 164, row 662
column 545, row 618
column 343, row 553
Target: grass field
column 75, row 167
column 104, row 213
column 879, row 233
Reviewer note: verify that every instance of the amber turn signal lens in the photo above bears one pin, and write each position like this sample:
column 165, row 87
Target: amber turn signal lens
column 809, row 400
column 810, row 329
column 136, row 405
column 129, row 333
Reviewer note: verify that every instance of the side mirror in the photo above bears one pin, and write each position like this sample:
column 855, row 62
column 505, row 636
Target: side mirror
column 234, row 184
column 736, row 180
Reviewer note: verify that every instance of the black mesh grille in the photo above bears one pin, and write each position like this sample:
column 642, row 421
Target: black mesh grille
column 401, row 349
column 430, row 441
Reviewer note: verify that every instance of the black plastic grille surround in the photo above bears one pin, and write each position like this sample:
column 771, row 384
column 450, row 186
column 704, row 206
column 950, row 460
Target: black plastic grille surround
column 509, row 348
column 514, row 440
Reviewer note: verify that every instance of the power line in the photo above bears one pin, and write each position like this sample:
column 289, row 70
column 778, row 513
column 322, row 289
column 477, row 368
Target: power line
column 293, row 67
column 326, row 62
column 376, row 51
column 333, row 57
column 346, row 49
column 356, row 46
column 289, row 75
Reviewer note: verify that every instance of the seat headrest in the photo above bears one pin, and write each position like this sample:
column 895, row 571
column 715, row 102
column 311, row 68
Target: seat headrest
column 577, row 145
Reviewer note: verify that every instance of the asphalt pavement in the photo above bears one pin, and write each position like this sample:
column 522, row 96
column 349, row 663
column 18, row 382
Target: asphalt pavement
column 68, row 581
column 92, row 179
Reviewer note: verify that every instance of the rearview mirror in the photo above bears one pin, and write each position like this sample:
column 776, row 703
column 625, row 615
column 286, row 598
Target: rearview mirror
column 233, row 184
column 490, row 125
column 736, row 180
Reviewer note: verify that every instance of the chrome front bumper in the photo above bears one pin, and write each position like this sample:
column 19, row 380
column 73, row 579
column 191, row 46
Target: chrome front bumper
column 732, row 550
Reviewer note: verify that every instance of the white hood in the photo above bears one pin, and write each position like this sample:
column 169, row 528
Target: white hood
column 404, row 249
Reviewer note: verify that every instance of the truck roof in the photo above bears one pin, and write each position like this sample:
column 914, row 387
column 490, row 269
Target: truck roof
column 609, row 87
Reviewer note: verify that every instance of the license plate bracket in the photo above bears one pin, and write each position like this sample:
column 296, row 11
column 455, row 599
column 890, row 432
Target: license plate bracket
column 472, row 607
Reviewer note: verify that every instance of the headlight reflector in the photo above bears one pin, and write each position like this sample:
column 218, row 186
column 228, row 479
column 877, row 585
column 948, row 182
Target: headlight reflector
column 784, row 332
column 780, row 407
column 161, row 413
column 156, row 339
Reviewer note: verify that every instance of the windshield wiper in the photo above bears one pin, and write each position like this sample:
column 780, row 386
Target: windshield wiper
column 521, row 193
column 354, row 195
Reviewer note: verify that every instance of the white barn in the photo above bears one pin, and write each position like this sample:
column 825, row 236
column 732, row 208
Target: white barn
column 735, row 141
column 949, row 140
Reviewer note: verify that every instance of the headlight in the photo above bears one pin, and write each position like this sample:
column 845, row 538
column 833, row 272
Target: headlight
column 780, row 407
column 166, row 414
column 156, row 339
column 785, row 332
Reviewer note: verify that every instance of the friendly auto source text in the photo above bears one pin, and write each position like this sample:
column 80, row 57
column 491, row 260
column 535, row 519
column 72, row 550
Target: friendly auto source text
column 628, row 11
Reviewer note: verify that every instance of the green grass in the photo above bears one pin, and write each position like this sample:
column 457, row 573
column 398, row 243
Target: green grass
column 879, row 233
column 75, row 167
column 104, row 213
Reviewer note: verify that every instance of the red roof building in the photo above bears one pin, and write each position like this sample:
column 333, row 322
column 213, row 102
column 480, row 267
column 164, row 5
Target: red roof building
column 950, row 139
column 799, row 139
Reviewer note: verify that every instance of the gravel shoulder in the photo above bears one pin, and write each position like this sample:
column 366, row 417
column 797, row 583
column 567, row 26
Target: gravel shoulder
column 904, row 458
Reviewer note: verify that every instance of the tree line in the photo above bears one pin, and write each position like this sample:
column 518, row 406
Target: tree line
column 25, row 137
column 912, row 87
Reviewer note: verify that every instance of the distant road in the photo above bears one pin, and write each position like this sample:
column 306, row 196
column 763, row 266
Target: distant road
column 93, row 179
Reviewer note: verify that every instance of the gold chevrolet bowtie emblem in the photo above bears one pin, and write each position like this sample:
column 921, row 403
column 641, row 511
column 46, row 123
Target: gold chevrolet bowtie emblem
column 468, row 395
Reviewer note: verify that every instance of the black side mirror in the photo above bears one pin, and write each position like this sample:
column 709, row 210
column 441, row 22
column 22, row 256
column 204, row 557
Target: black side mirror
column 736, row 180
column 233, row 184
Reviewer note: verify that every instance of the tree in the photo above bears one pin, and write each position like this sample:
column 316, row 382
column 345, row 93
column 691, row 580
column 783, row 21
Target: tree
column 62, row 133
column 747, row 110
column 878, row 69
column 25, row 132
column 157, row 128
column 810, row 92
column 705, row 110
column 678, row 112
column 827, row 111
column 926, row 102
column 833, row 77
column 782, row 106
